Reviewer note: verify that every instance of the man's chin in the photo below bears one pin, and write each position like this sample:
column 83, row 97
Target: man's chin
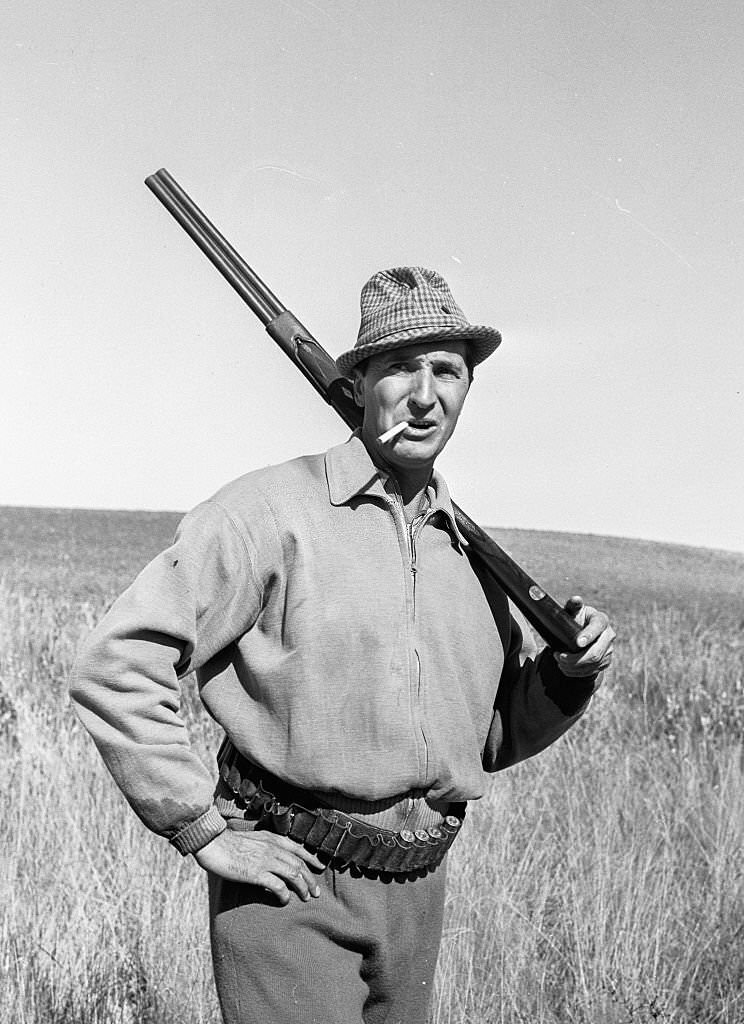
column 413, row 454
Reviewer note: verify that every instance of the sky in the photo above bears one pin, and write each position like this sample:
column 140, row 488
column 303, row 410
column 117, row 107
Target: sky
column 573, row 170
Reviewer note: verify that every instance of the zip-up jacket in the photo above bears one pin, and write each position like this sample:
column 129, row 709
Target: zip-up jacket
column 340, row 649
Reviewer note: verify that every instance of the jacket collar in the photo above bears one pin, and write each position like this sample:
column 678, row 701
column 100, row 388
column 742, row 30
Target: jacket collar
column 351, row 473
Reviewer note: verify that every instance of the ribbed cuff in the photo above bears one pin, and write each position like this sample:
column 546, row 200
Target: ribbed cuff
column 200, row 832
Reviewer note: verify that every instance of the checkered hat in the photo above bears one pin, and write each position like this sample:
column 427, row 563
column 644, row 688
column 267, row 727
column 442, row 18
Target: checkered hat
column 407, row 305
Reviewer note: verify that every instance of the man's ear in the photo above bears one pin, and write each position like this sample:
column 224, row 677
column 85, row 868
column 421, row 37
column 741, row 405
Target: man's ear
column 357, row 384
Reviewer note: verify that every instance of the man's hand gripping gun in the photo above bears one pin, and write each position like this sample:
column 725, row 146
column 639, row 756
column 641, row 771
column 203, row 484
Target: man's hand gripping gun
column 553, row 623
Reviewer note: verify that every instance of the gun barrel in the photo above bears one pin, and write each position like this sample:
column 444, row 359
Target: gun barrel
column 553, row 623
column 215, row 247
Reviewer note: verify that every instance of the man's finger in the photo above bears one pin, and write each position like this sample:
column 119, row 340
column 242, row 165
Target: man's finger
column 274, row 885
column 297, row 875
column 292, row 873
column 292, row 863
column 594, row 625
column 295, row 849
column 595, row 658
column 302, row 882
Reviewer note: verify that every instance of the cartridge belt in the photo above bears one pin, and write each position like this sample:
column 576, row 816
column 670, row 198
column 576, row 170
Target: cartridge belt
column 332, row 834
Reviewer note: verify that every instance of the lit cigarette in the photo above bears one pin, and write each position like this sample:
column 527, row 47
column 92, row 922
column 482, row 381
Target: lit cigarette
column 393, row 432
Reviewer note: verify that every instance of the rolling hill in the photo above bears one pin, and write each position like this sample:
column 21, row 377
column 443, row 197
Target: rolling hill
column 91, row 553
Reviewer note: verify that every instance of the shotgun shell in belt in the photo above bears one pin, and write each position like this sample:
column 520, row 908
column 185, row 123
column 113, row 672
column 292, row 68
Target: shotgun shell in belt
column 436, row 833
column 422, row 835
column 452, row 821
column 407, row 836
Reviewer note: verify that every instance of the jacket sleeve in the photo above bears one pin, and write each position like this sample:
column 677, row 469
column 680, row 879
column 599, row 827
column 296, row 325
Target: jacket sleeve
column 535, row 703
column 188, row 604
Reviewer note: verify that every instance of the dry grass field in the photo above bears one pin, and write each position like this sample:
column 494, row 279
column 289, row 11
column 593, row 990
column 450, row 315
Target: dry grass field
column 600, row 882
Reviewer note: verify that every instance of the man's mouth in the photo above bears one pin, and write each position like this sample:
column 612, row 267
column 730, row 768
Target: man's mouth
column 420, row 426
column 414, row 428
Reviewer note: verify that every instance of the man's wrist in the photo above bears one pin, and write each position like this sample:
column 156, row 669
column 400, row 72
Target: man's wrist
column 569, row 693
column 199, row 832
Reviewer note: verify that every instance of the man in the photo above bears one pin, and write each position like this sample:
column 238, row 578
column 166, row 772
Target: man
column 365, row 681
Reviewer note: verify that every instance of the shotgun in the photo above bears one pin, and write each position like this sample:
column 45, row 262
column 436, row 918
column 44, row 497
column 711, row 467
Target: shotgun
column 552, row 622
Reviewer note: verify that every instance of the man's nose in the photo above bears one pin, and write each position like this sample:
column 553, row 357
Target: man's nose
column 422, row 388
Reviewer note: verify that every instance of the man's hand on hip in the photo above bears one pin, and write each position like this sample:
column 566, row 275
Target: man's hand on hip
column 260, row 858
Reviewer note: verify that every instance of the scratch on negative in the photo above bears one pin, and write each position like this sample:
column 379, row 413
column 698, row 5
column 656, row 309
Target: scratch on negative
column 293, row 9
column 285, row 170
column 321, row 11
column 643, row 227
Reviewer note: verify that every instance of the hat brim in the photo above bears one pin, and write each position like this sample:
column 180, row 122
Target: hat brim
column 482, row 341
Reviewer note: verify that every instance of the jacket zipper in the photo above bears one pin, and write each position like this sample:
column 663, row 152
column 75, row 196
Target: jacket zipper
column 411, row 531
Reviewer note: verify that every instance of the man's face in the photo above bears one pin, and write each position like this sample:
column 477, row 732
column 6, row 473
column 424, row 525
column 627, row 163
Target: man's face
column 422, row 384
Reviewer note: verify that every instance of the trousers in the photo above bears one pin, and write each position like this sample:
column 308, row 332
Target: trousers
column 363, row 952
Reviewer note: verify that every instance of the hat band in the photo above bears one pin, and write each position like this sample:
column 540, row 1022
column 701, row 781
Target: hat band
column 415, row 325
